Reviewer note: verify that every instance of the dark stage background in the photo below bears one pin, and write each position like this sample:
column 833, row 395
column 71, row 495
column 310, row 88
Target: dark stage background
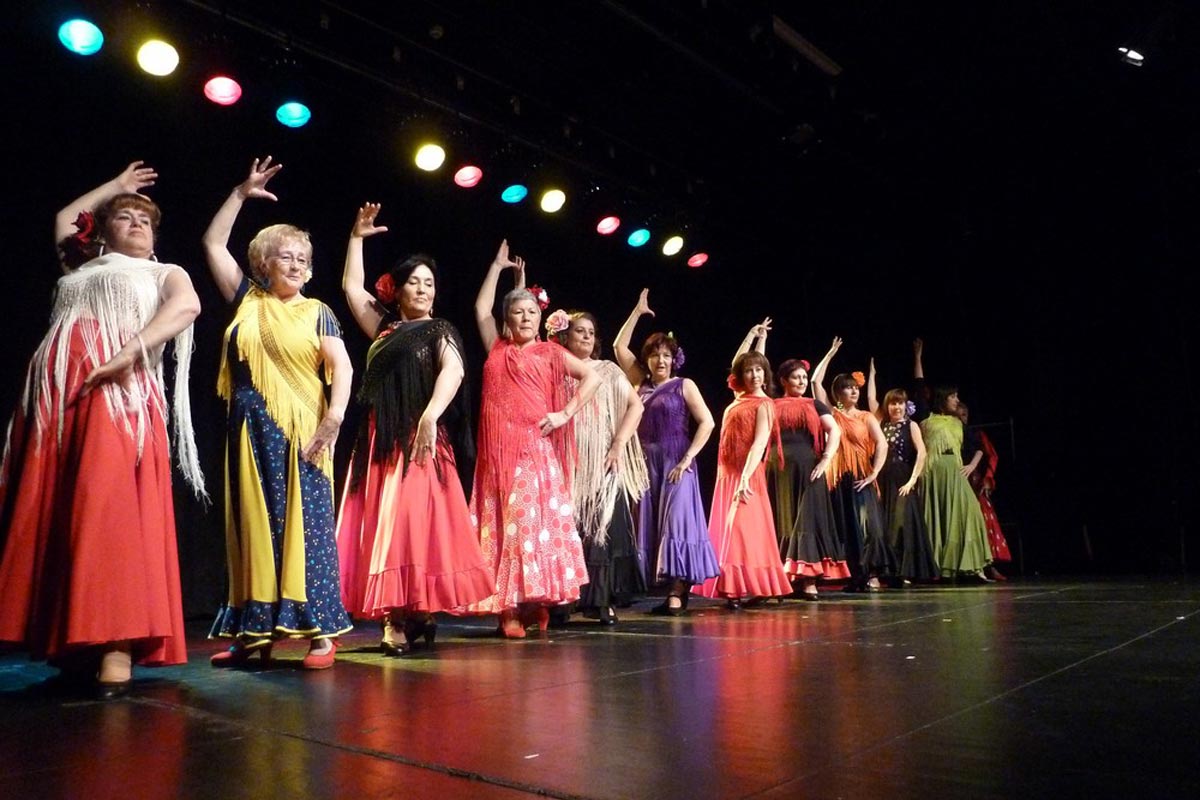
column 990, row 177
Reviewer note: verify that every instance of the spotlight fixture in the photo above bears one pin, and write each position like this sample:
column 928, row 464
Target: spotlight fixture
column 672, row 245
column 697, row 259
column 222, row 90
column 608, row 225
column 514, row 193
column 80, row 37
column 158, row 58
column 638, row 237
column 553, row 200
column 468, row 177
column 293, row 114
column 430, row 157
column 1131, row 56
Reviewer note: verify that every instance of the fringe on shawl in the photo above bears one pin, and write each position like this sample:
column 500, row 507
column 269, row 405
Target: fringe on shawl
column 119, row 295
column 942, row 433
column 856, row 451
column 520, row 386
column 280, row 343
column 595, row 489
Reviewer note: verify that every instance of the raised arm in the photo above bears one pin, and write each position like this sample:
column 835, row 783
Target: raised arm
column 625, row 430
column 449, row 378
column 363, row 305
column 221, row 263
column 485, row 301
column 872, row 396
column 919, row 466
column 337, row 363
column 758, row 448
column 918, row 352
column 757, row 335
column 833, row 440
column 625, row 356
column 818, row 375
column 132, row 180
column 589, row 381
column 178, row 306
column 704, row 428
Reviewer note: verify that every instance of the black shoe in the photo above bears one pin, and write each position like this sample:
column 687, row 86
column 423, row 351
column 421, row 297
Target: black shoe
column 415, row 629
column 608, row 616
column 665, row 608
column 111, row 691
column 734, row 604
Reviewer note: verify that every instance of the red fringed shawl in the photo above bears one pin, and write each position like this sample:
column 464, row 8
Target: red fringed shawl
column 520, row 387
column 800, row 413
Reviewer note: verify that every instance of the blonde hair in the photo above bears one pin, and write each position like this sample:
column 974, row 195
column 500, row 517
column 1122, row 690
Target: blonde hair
column 268, row 241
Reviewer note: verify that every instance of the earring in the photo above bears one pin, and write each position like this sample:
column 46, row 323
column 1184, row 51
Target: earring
column 101, row 250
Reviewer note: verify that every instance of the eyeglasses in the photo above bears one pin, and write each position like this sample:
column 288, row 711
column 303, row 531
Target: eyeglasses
column 287, row 259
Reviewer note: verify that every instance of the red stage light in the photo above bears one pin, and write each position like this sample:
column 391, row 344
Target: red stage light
column 468, row 177
column 222, row 90
column 608, row 225
column 697, row 259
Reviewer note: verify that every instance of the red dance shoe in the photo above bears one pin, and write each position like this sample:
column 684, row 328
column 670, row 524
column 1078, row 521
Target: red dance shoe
column 322, row 660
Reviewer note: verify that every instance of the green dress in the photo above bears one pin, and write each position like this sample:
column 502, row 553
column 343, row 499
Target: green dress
column 957, row 531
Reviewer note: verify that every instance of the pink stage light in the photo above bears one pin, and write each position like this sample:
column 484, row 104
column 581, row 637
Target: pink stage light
column 222, row 90
column 468, row 177
column 608, row 225
column 698, row 260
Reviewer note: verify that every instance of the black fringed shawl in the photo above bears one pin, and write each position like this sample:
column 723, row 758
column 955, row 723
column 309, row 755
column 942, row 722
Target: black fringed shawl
column 402, row 367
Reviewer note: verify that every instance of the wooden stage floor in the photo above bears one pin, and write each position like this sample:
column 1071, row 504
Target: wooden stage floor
column 1035, row 688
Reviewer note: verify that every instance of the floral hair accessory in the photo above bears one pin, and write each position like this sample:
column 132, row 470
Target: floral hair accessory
column 558, row 322
column 385, row 289
column 859, row 378
column 77, row 248
column 678, row 360
column 539, row 294
column 910, row 408
column 732, row 383
column 804, row 364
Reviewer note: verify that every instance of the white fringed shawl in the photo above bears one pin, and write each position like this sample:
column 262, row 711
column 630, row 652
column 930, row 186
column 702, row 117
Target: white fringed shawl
column 593, row 489
column 120, row 295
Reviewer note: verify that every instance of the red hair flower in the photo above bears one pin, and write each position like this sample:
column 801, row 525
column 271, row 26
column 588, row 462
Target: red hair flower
column 859, row 378
column 85, row 223
column 385, row 289
column 539, row 294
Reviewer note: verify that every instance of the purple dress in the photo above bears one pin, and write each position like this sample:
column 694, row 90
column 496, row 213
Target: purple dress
column 673, row 541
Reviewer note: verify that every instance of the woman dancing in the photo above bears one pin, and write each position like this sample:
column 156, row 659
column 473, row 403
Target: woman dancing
column 673, row 543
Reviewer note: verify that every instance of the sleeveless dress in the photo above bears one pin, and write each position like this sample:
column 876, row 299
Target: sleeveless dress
column 957, row 531
column 858, row 515
column 743, row 532
column 809, row 543
column 673, row 541
column 905, row 516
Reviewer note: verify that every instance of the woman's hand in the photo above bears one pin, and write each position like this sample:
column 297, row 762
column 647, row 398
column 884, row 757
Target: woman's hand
column 136, row 177
column 865, row 482
column 837, row 343
column 424, row 441
column 326, row 435
column 255, row 185
column 684, row 465
column 364, row 223
column 503, row 261
column 117, row 369
column 906, row 488
column 968, row 469
column 643, row 304
column 743, row 490
column 612, row 459
column 819, row 470
column 552, row 422
column 762, row 328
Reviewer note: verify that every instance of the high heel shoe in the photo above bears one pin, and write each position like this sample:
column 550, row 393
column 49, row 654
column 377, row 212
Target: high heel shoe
column 240, row 652
column 608, row 616
column 388, row 643
column 734, row 604
column 510, row 625
column 105, row 690
column 537, row 617
column 415, row 629
column 665, row 607
column 320, row 660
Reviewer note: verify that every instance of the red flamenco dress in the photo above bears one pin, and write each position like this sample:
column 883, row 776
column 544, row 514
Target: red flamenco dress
column 742, row 532
column 985, row 478
column 405, row 538
column 88, row 524
column 521, row 502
